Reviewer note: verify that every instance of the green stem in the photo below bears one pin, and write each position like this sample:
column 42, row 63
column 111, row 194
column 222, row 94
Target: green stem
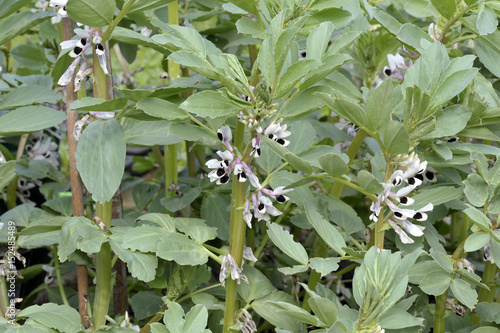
column 4, row 297
column 103, row 270
column 174, row 72
column 379, row 233
column 488, row 278
column 117, row 20
column 158, row 157
column 451, row 21
column 439, row 315
column 58, row 275
column 191, row 159
column 237, row 232
column 170, row 155
column 202, row 290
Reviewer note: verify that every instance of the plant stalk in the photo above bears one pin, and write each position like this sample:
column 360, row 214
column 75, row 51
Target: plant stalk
column 488, row 278
column 237, row 232
column 439, row 315
column 103, row 270
column 76, row 183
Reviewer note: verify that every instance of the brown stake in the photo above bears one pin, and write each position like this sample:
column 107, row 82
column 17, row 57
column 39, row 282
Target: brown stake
column 120, row 297
column 76, row 182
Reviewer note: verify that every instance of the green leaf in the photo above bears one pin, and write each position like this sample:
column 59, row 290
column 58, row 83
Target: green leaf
column 333, row 164
column 386, row 20
column 100, row 158
column 464, row 293
column 215, row 210
column 284, row 241
column 201, row 233
column 218, row 105
column 397, row 319
column 174, row 318
column 94, row 13
column 330, row 64
column 350, row 111
column 442, row 259
column 481, row 220
column 63, row 205
column 489, row 312
column 17, row 24
column 194, row 133
column 476, row 190
column 476, row 241
column 489, row 54
column 144, row 238
column 267, row 308
column 436, row 195
column 41, row 117
column 143, row 194
column 292, row 159
column 318, row 41
column 368, row 182
column 493, row 201
column 142, row 266
column 129, row 36
column 436, row 282
column 174, row 203
column 79, row 233
column 325, row 230
column 7, row 173
column 445, row 7
column 148, row 133
column 59, row 317
column 324, row 266
column 486, row 20
column 165, row 221
column 453, row 120
column 29, row 56
column 250, row 27
column 379, row 105
column 453, row 85
column 324, row 309
column 258, row 284
column 293, row 75
column 8, row 7
column 98, row 104
column 161, row 108
column 27, row 95
column 182, row 250
column 196, row 319
column 146, row 304
column 296, row 313
column 396, row 138
column 412, row 35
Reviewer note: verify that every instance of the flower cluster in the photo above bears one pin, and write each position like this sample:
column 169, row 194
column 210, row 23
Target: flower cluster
column 61, row 12
column 87, row 119
column 79, row 48
column 413, row 173
column 262, row 205
column 229, row 265
column 397, row 67
column 221, row 169
column 43, row 148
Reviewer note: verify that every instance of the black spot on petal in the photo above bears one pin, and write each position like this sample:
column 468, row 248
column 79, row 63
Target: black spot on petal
column 271, row 136
column 77, row 50
column 411, row 181
column 258, row 151
column 280, row 141
column 453, row 139
column 99, row 47
column 419, row 177
column 281, row 198
column 430, row 175
column 220, row 172
column 261, row 207
column 417, row 216
column 398, row 215
column 388, row 72
column 219, row 135
column 224, row 179
column 83, row 41
column 403, row 200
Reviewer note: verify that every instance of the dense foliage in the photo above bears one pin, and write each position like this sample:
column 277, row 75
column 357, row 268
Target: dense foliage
column 262, row 166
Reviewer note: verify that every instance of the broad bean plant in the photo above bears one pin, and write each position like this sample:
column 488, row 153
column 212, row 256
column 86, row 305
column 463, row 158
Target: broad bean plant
column 249, row 165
